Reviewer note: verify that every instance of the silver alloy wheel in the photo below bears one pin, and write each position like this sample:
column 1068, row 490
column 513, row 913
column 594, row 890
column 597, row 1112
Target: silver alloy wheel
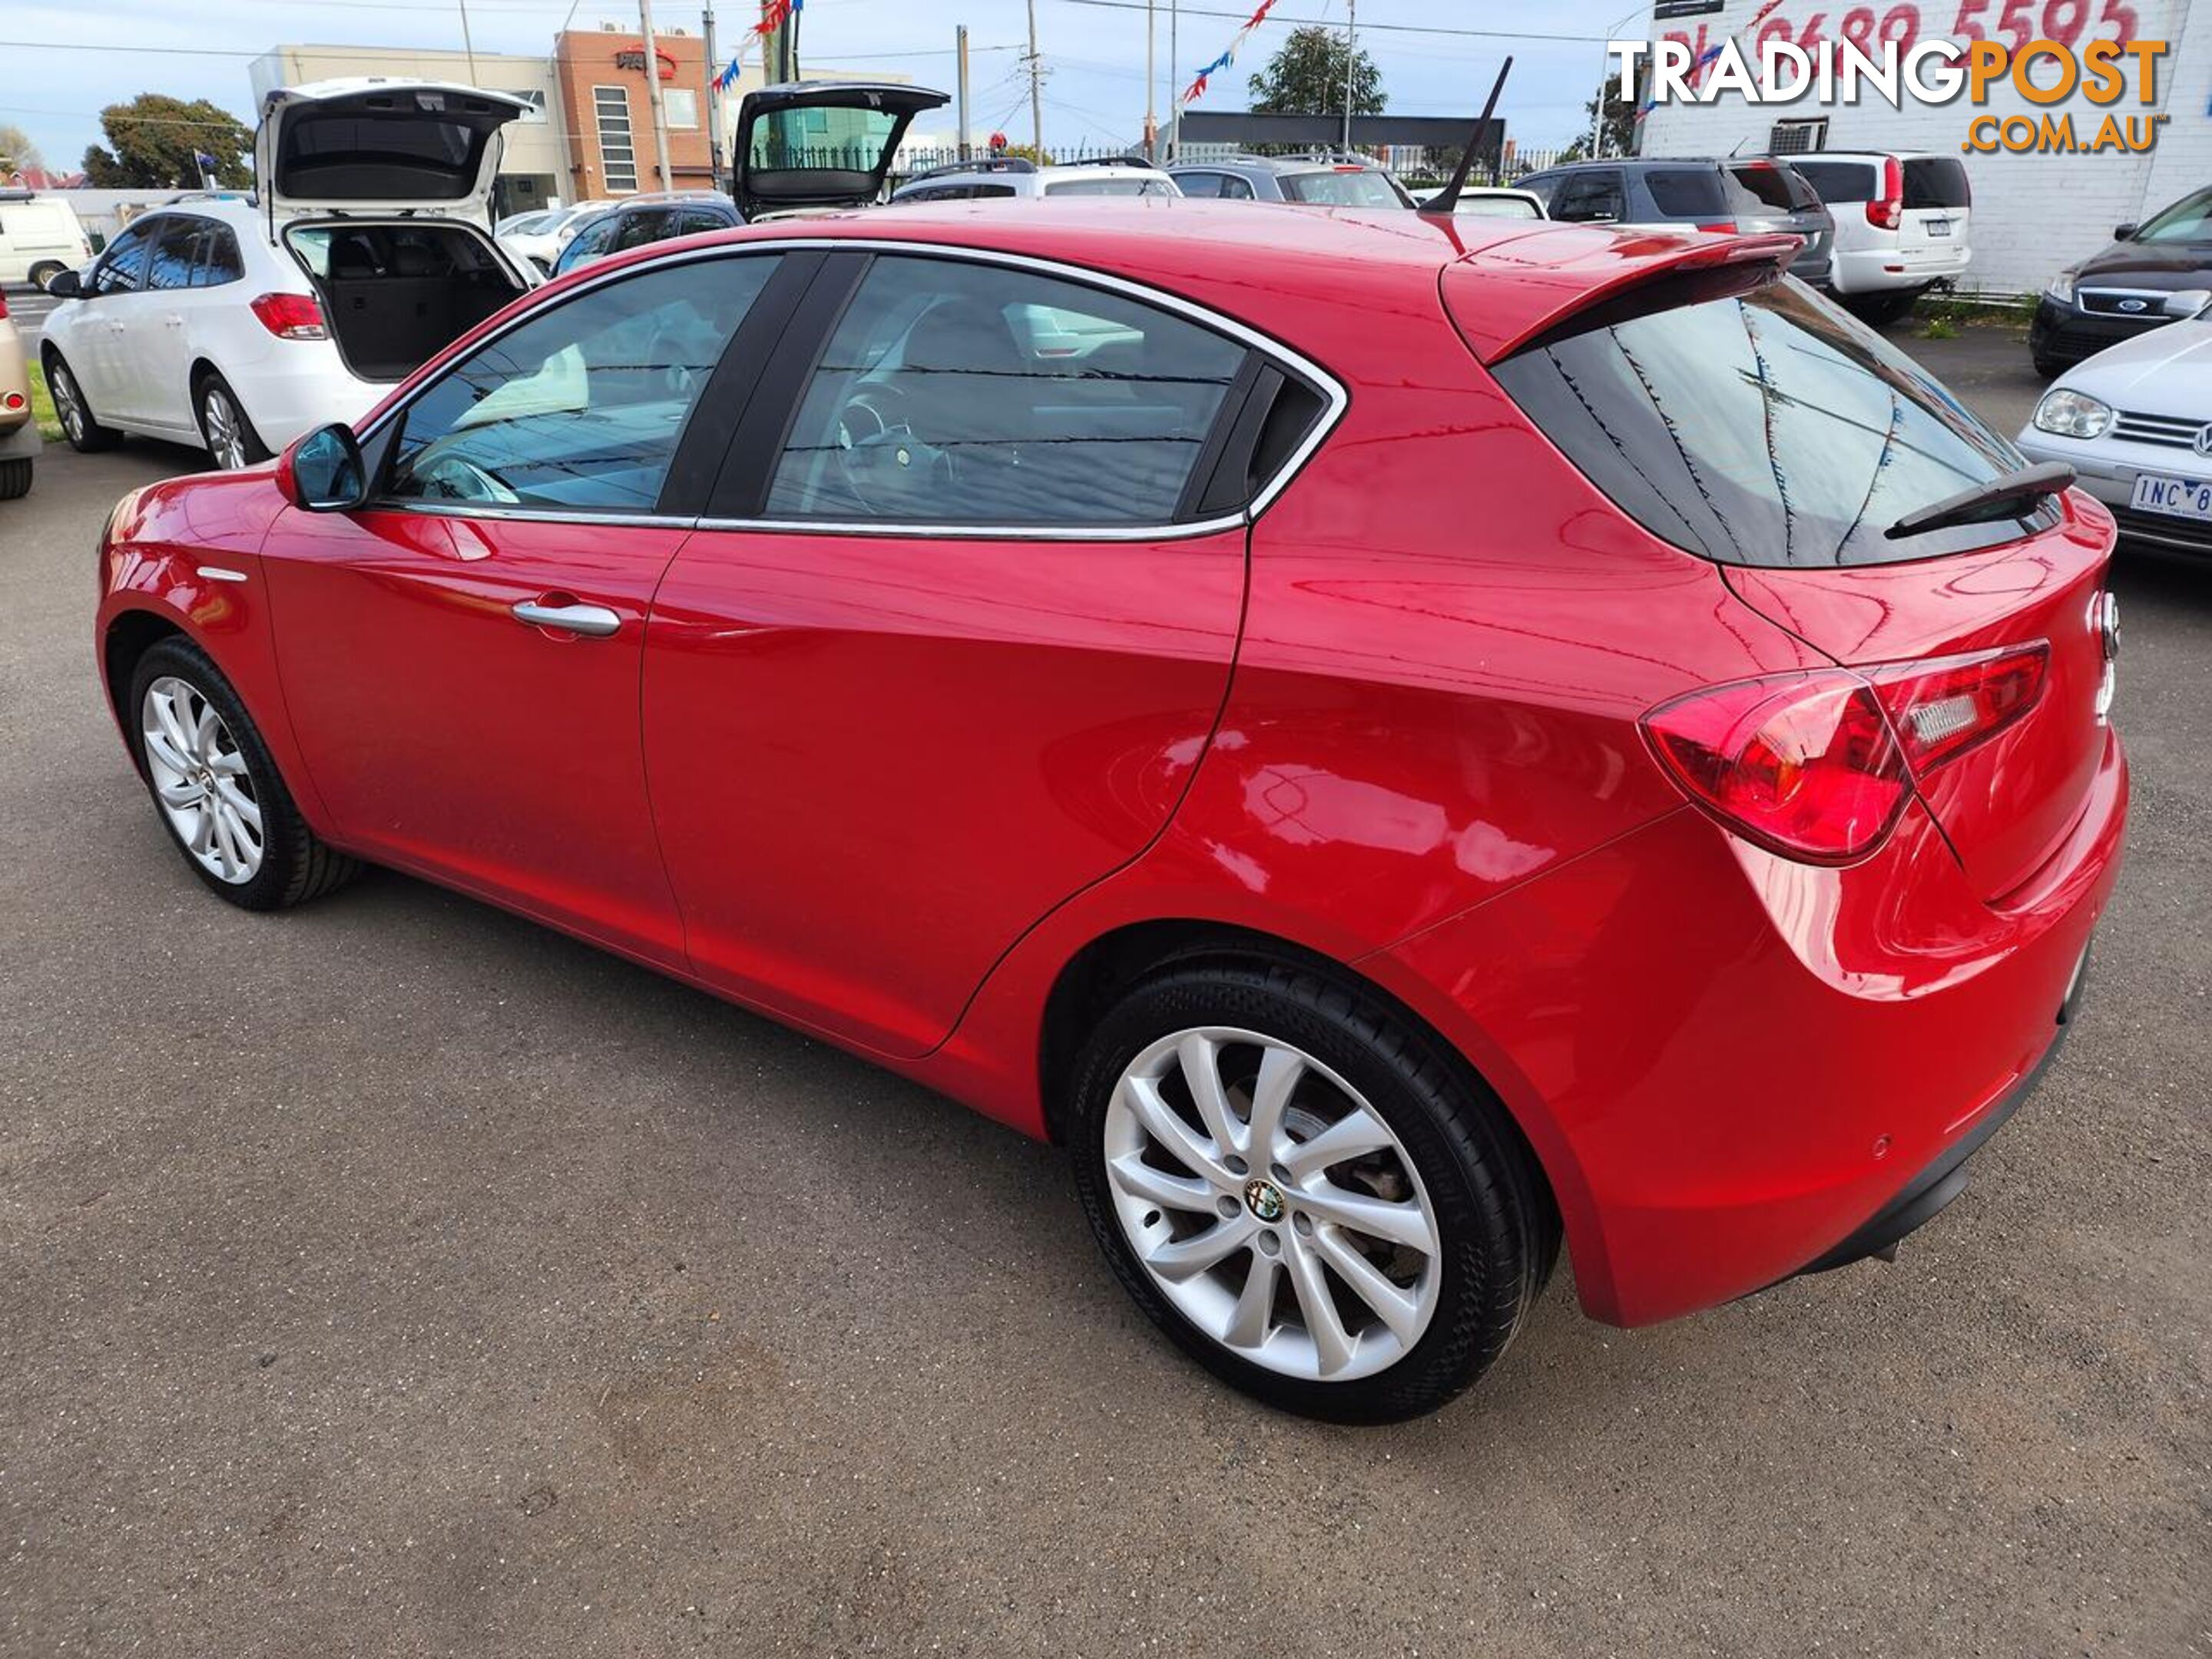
column 223, row 427
column 1272, row 1204
column 201, row 780
column 68, row 404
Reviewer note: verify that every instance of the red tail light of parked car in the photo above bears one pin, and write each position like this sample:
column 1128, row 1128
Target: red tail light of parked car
column 290, row 316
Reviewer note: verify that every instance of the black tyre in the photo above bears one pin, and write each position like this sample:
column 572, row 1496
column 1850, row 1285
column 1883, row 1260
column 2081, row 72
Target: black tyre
column 1343, row 1224
column 44, row 271
column 224, row 427
column 2048, row 368
column 216, row 788
column 1881, row 310
column 79, row 424
column 14, row 478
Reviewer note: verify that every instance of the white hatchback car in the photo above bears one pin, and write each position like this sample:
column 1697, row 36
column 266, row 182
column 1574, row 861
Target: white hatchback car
column 1903, row 222
column 2135, row 422
column 1009, row 177
column 237, row 325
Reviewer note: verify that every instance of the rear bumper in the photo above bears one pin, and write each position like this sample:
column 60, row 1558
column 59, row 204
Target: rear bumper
column 1732, row 1065
column 1879, row 270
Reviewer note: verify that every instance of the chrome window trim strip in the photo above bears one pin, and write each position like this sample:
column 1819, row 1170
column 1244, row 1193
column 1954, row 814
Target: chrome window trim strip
column 1333, row 390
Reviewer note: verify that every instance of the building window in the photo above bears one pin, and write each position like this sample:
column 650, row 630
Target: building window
column 679, row 107
column 1796, row 137
column 617, row 160
column 536, row 100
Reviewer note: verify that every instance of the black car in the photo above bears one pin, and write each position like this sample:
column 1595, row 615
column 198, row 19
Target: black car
column 2117, row 294
column 1749, row 194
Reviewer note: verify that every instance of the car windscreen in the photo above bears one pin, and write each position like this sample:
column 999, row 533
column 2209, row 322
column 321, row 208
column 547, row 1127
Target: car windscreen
column 1742, row 419
column 1935, row 181
column 1687, row 192
column 1345, row 187
column 1109, row 187
column 1841, row 181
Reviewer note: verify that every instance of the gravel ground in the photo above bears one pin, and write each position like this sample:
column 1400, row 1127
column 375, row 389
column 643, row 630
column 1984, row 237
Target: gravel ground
column 398, row 1277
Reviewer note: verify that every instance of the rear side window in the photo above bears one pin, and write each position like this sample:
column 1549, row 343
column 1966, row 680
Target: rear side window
column 1758, row 426
column 1935, row 181
column 962, row 394
column 1687, row 192
column 1841, row 181
column 219, row 259
column 1589, row 198
column 580, row 408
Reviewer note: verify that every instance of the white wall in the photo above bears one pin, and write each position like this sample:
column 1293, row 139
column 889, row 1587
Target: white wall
column 2033, row 214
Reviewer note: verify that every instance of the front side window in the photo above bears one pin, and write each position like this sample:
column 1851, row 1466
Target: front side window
column 1753, row 425
column 955, row 394
column 123, row 265
column 579, row 409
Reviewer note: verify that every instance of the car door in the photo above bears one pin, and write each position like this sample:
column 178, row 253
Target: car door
column 461, row 657
column 162, row 346
column 99, row 350
column 951, row 640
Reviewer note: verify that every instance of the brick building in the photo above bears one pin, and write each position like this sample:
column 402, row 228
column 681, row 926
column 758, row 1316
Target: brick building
column 601, row 76
column 2032, row 213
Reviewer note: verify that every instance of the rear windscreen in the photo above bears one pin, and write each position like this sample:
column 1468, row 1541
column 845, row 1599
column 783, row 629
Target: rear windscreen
column 1935, row 181
column 1755, row 425
column 1352, row 187
column 344, row 156
column 1841, row 181
column 1778, row 189
column 1687, row 192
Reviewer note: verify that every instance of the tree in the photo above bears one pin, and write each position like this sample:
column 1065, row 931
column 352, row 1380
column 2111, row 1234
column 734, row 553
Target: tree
column 1616, row 127
column 17, row 153
column 1306, row 77
column 152, row 139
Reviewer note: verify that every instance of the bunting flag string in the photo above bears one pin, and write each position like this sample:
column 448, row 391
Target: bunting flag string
column 1196, row 90
column 1711, row 54
column 775, row 13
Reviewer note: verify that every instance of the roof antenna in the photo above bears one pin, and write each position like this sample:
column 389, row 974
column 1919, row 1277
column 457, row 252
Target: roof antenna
column 1445, row 202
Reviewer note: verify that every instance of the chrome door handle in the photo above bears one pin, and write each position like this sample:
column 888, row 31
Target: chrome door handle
column 594, row 620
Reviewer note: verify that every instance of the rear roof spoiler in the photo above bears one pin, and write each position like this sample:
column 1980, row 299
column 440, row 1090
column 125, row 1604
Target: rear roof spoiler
column 1542, row 285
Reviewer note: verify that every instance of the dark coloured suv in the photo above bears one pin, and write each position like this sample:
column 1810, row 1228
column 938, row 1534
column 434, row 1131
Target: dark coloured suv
column 1758, row 194
column 2115, row 295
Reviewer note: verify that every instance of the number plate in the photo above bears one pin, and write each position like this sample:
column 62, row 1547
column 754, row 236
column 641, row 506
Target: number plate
column 2181, row 498
column 1939, row 227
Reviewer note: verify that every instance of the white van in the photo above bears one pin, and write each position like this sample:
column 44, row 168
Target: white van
column 39, row 237
column 1903, row 222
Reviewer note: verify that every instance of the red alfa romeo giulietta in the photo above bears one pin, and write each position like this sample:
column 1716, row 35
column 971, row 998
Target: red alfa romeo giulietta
column 1399, row 742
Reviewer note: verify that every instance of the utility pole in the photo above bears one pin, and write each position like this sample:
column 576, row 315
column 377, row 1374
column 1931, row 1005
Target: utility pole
column 1152, row 72
column 1036, row 101
column 713, row 94
column 468, row 44
column 1175, row 81
column 1351, row 62
column 652, row 94
column 961, row 35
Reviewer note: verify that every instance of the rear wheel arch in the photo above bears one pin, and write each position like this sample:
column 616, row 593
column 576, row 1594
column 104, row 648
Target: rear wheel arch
column 1105, row 970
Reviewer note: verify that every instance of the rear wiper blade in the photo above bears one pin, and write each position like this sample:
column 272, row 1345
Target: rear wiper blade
column 1980, row 503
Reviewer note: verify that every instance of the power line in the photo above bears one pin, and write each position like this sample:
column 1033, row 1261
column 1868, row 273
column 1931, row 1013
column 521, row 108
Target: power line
column 1393, row 28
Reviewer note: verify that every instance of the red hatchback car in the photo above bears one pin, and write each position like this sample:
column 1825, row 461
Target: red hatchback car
column 1392, row 740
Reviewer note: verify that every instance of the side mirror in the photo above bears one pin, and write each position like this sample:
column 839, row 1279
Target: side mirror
column 2188, row 302
column 322, row 472
column 2123, row 233
column 65, row 285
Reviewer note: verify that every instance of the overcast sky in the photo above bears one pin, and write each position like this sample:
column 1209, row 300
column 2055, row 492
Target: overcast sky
column 59, row 64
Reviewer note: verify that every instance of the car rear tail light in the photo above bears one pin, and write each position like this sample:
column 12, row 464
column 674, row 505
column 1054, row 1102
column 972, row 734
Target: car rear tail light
column 290, row 316
column 1721, row 226
column 1940, row 709
column 1886, row 210
column 3, row 305
column 1804, row 764
column 1818, row 765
